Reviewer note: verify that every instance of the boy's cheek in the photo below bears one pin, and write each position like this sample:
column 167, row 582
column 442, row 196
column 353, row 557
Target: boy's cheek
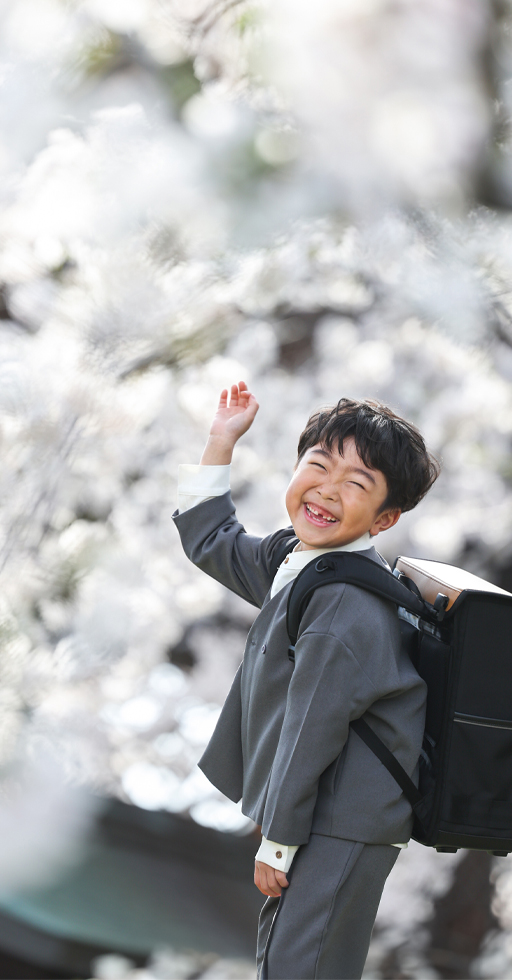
column 290, row 500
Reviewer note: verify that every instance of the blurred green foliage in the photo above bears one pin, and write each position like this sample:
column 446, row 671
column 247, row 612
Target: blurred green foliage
column 180, row 82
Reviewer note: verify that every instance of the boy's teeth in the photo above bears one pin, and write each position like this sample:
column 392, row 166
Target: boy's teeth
column 317, row 514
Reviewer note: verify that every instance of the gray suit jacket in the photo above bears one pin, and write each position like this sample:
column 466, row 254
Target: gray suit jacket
column 282, row 743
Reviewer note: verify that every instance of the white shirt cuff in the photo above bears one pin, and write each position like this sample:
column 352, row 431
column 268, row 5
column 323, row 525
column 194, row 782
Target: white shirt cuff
column 197, row 483
column 278, row 856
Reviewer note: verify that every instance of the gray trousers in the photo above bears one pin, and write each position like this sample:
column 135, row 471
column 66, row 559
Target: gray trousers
column 321, row 925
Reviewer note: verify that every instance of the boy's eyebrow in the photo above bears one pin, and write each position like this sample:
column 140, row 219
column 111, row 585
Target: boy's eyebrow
column 365, row 473
column 355, row 469
column 322, row 452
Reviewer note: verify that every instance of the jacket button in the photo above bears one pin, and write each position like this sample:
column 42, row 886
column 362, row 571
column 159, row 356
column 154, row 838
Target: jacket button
column 279, row 854
column 264, row 648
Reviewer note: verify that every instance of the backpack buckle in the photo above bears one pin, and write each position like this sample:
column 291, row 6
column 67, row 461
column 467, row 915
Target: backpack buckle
column 324, row 565
column 440, row 604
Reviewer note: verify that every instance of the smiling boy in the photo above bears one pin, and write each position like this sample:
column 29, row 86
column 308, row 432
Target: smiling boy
column 337, row 495
column 332, row 817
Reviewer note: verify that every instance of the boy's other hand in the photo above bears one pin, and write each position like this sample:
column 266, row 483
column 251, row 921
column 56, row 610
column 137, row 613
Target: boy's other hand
column 269, row 880
column 229, row 423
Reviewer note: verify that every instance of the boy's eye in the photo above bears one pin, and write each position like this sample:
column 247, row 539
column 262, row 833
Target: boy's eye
column 357, row 484
column 314, row 463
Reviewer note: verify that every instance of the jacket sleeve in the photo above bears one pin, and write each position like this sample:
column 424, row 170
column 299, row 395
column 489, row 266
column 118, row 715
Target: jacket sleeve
column 329, row 687
column 219, row 545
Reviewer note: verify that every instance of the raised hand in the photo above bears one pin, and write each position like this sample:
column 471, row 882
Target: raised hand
column 229, row 423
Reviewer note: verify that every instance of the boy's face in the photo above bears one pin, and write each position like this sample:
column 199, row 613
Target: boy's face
column 333, row 499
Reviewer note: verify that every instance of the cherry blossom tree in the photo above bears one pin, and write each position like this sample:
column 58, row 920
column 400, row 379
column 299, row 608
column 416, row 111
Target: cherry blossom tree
column 312, row 197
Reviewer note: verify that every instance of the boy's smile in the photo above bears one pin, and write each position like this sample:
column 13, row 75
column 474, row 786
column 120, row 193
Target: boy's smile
column 333, row 499
column 318, row 515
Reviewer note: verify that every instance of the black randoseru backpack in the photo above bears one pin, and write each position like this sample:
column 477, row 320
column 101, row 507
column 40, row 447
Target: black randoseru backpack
column 464, row 654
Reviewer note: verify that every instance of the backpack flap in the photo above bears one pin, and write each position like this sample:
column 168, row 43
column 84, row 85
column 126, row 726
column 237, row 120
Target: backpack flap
column 434, row 577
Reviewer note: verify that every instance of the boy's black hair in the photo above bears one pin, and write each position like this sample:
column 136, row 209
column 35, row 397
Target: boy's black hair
column 384, row 442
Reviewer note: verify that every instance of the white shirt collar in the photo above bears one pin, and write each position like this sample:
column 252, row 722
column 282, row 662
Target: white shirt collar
column 298, row 559
column 295, row 561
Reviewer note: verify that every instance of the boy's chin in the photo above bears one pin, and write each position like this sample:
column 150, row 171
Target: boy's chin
column 312, row 538
column 323, row 541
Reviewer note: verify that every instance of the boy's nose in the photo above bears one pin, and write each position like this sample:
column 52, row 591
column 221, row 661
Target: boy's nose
column 327, row 492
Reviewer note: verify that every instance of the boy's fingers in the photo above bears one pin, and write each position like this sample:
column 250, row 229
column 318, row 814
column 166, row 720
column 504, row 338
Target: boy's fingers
column 261, row 881
column 271, row 884
column 273, row 880
column 239, row 397
column 258, row 880
column 273, row 887
column 281, row 879
column 264, row 887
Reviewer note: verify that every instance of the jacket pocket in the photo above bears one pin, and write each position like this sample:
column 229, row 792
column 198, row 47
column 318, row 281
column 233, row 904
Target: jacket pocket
column 338, row 770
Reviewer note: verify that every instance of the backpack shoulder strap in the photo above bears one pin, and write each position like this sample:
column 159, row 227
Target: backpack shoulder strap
column 384, row 755
column 353, row 569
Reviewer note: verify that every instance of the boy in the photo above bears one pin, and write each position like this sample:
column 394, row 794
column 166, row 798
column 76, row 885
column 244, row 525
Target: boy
column 332, row 816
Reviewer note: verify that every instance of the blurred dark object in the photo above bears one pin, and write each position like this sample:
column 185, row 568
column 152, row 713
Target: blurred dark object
column 460, row 922
column 148, row 880
column 462, row 918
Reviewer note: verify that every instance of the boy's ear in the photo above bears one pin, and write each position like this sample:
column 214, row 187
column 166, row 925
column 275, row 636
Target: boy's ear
column 384, row 521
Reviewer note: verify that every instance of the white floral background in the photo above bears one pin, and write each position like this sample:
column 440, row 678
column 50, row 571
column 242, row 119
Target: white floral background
column 312, row 197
